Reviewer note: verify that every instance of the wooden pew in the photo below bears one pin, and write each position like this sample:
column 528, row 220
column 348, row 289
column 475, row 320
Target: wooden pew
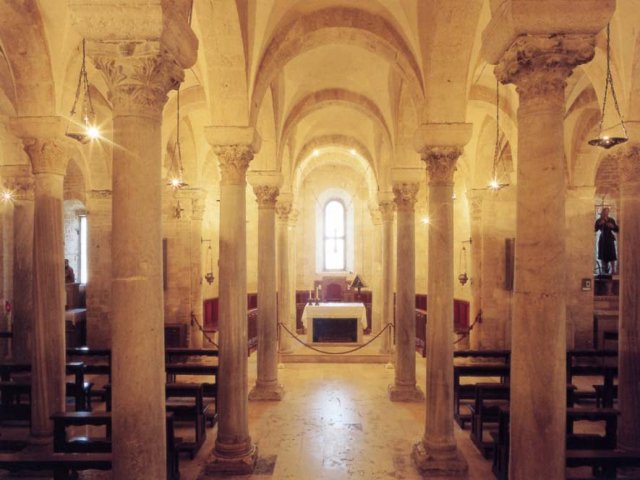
column 604, row 463
column 608, row 391
column 589, row 362
column 63, row 465
column 503, row 355
column 209, row 387
column 191, row 408
column 97, row 362
column 15, row 403
column 64, row 444
column 468, row 391
column 79, row 389
column 605, row 457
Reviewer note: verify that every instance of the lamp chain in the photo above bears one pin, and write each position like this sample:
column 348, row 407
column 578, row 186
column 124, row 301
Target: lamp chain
column 497, row 147
column 609, row 84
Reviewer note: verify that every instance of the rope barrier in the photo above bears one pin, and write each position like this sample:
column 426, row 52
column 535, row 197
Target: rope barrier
column 359, row 347
column 194, row 319
column 466, row 334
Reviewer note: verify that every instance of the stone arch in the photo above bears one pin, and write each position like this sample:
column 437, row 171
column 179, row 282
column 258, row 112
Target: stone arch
column 334, row 96
column 23, row 41
column 75, row 186
column 339, row 25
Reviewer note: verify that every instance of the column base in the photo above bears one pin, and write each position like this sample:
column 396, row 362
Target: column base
column 240, row 465
column 266, row 393
column 447, row 462
column 405, row 393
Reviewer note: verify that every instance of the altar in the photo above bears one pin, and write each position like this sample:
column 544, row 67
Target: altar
column 335, row 322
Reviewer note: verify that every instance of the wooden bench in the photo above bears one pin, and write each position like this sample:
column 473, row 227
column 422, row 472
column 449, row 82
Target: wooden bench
column 84, row 444
column 501, row 451
column 467, row 391
column 589, row 363
column 15, row 401
column 63, row 465
column 191, row 408
column 209, row 388
column 504, row 355
column 486, row 408
column 79, row 389
column 97, row 362
column 604, row 463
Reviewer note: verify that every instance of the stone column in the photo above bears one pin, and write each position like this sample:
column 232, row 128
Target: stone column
column 99, row 221
column 234, row 451
column 539, row 66
column 386, row 212
column 138, row 373
column 376, row 284
column 267, row 387
column 293, row 307
column 195, row 231
column 404, row 388
column 437, row 453
column 629, row 326
column 283, row 209
column 18, row 258
column 475, row 217
column 580, row 203
column 47, row 149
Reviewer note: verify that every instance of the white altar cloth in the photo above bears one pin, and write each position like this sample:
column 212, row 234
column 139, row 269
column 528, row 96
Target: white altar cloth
column 334, row 310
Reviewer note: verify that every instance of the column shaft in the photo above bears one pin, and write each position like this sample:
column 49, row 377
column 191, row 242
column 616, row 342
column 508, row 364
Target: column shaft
column 386, row 209
column 138, row 373
column 405, row 388
column 48, row 360
column 539, row 66
column 19, row 238
column 284, row 285
column 234, row 452
column 267, row 387
column 629, row 326
column 438, row 453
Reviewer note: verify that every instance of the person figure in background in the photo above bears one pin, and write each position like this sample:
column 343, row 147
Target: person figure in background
column 607, row 242
column 69, row 276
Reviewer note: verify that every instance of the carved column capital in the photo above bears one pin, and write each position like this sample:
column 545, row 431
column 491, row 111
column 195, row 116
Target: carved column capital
column 376, row 216
column 48, row 155
column 139, row 75
column 539, row 64
column 18, row 180
column 267, row 195
column 387, row 209
column 283, row 209
column 441, row 163
column 234, row 161
column 405, row 195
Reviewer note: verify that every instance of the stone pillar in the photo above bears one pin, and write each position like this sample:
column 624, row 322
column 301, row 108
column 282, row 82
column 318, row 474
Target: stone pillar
column 580, row 203
column 196, row 337
column 376, row 284
column 47, row 149
column 139, row 446
column 437, row 453
column 404, row 388
column 267, row 387
column 475, row 217
column 99, row 217
column 386, row 212
column 18, row 258
column 629, row 326
column 539, row 66
column 283, row 209
column 234, row 451
column 293, row 307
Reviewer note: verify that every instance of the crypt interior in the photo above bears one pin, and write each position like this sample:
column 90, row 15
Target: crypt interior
column 320, row 239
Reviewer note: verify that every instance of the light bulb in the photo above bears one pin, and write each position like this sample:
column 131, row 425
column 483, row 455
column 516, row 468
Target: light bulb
column 316, row 152
column 494, row 185
column 425, row 220
column 92, row 132
column 353, row 151
column 175, row 182
column 7, row 196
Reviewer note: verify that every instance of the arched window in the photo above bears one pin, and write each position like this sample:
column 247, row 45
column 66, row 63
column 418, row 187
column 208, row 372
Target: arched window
column 334, row 233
